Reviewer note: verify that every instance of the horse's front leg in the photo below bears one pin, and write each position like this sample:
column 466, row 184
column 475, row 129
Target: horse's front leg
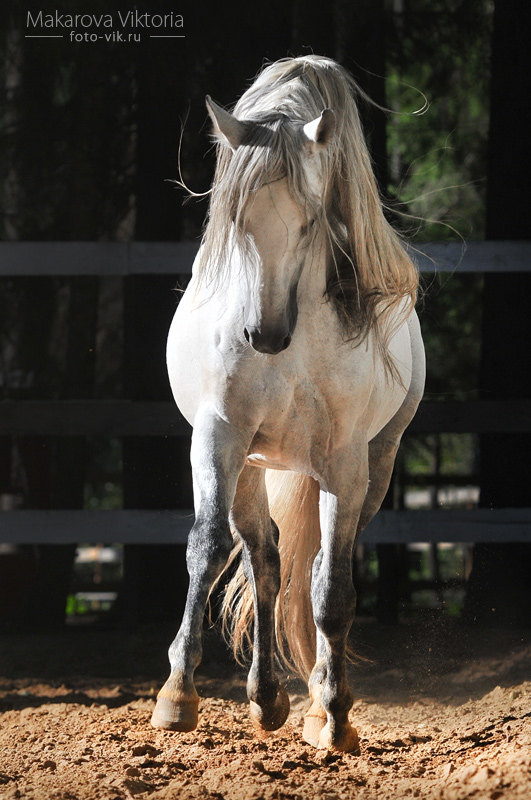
column 217, row 454
column 261, row 563
column 334, row 600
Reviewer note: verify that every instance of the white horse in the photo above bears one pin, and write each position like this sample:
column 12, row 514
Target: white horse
column 295, row 348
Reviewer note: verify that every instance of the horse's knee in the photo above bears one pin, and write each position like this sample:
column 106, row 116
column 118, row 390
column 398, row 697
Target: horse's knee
column 334, row 619
column 209, row 546
column 334, row 605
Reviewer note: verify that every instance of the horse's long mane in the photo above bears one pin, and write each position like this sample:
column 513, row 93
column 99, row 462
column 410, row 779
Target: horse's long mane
column 371, row 279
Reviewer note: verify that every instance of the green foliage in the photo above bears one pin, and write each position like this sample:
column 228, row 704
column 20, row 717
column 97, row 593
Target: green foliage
column 437, row 172
column 437, row 160
column 456, row 454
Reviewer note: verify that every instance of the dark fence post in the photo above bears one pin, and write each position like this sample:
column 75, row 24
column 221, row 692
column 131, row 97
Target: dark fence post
column 499, row 589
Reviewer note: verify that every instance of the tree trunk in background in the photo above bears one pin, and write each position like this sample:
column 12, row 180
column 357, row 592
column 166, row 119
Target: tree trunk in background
column 499, row 589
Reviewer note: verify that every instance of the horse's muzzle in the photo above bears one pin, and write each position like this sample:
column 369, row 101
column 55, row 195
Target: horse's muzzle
column 270, row 343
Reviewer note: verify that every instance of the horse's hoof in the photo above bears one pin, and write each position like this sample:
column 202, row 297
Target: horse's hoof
column 273, row 717
column 314, row 721
column 343, row 738
column 175, row 711
column 181, row 716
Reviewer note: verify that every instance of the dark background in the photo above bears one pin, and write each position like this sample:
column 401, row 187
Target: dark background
column 90, row 138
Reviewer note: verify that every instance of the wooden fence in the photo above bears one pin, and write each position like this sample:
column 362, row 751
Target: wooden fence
column 118, row 418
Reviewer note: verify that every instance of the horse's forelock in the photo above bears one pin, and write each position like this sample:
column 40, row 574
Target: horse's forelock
column 271, row 150
column 285, row 95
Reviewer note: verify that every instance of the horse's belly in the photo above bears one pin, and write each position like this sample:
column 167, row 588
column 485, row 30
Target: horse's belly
column 259, row 460
column 290, row 446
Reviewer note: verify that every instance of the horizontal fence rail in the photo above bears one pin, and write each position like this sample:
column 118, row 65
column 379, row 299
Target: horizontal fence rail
column 158, row 258
column 134, row 526
column 116, row 418
column 124, row 418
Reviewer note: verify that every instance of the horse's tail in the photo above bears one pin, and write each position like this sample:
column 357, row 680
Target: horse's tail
column 294, row 506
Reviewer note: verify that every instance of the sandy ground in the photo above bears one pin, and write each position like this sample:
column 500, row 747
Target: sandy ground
column 442, row 712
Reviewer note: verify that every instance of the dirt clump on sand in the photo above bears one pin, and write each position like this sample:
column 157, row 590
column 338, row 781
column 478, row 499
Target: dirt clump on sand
column 442, row 712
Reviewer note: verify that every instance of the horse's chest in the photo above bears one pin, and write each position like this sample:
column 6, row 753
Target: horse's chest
column 298, row 427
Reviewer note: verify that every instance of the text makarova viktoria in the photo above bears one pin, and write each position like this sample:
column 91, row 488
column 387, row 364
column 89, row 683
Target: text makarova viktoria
column 134, row 20
column 116, row 26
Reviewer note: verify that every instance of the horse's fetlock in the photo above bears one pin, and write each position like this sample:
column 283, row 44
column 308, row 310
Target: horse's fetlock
column 263, row 694
column 261, row 690
column 318, row 676
column 337, row 701
column 185, row 655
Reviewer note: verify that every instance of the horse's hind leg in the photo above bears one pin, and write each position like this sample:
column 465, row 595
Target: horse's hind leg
column 320, row 726
column 217, row 456
column 381, row 456
column 382, row 452
column 261, row 563
column 334, row 601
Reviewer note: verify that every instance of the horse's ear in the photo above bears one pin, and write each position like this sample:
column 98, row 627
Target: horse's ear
column 225, row 124
column 321, row 129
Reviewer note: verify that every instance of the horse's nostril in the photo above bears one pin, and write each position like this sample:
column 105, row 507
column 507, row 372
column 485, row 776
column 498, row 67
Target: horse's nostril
column 270, row 343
